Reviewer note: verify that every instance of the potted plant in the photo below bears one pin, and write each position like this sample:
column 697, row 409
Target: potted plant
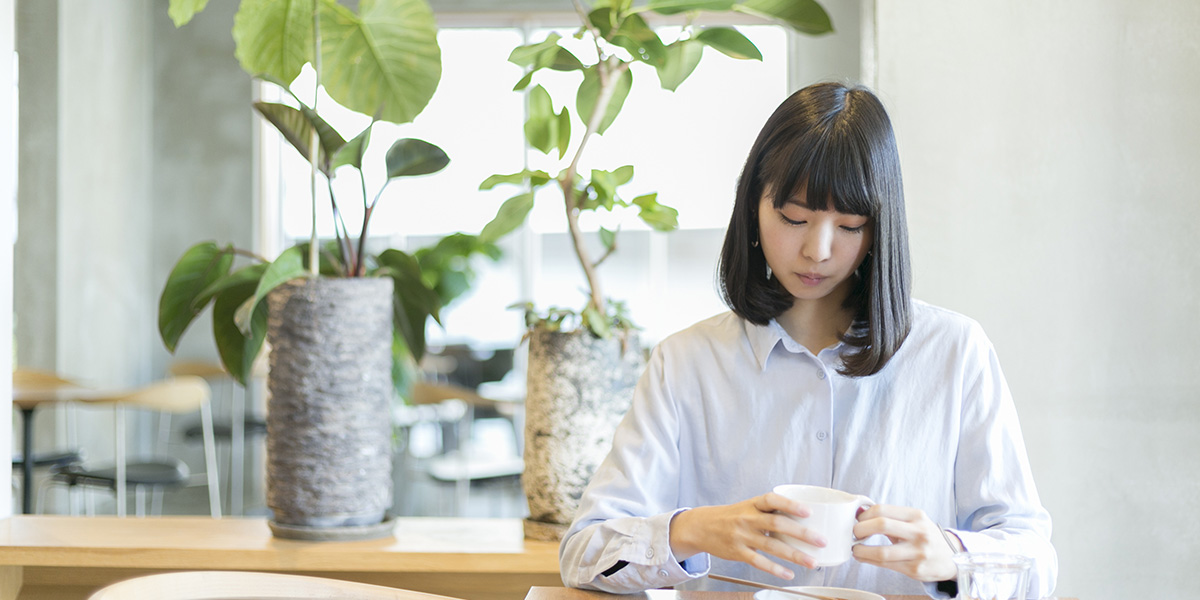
column 583, row 365
column 338, row 317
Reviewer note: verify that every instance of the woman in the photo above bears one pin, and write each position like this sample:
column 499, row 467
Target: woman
column 824, row 373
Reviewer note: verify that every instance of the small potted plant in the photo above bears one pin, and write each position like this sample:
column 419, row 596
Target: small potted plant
column 338, row 317
column 583, row 364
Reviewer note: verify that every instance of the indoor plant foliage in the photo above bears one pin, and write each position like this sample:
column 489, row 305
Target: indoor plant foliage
column 581, row 376
column 338, row 318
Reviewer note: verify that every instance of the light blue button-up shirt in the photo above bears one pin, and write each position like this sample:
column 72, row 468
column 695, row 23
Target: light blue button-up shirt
column 726, row 410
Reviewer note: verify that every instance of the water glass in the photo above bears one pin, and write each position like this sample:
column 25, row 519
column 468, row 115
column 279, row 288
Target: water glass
column 991, row 576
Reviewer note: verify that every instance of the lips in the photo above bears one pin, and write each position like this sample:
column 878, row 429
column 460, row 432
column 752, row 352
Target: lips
column 811, row 278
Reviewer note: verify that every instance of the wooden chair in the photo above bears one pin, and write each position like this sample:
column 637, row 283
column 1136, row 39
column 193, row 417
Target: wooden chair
column 173, row 395
column 240, row 585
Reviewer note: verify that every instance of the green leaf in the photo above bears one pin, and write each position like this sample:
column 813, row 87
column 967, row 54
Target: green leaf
column 252, row 272
column 352, row 153
column 657, row 216
column 238, row 351
column 412, row 301
column 595, row 322
column 287, row 266
column 296, row 125
column 510, row 216
column 200, row 266
column 409, row 156
column 182, row 11
column 674, row 7
column 682, row 58
column 730, row 42
column 530, row 55
column 541, row 128
column 640, row 40
column 274, row 37
column 608, row 238
column 563, row 128
column 524, row 82
column 384, row 61
column 805, row 16
column 589, row 92
column 535, row 178
column 622, row 175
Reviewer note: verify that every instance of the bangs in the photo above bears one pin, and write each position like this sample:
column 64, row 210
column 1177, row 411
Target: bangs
column 828, row 167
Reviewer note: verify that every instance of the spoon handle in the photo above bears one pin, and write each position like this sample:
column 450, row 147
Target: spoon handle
column 767, row 586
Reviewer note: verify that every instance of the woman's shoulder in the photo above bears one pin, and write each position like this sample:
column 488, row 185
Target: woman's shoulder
column 931, row 322
column 719, row 327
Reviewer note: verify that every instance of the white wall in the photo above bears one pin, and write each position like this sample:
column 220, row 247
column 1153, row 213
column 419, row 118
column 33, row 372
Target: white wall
column 1049, row 152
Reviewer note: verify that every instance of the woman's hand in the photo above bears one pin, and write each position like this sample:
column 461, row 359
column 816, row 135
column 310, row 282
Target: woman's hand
column 918, row 550
column 744, row 532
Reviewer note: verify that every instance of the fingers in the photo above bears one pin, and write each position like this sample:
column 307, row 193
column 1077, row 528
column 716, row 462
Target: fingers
column 772, row 502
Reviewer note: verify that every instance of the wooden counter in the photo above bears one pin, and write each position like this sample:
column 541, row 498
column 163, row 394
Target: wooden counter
column 65, row 558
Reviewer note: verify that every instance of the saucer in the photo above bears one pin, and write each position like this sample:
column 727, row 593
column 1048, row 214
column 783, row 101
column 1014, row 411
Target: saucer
column 832, row 592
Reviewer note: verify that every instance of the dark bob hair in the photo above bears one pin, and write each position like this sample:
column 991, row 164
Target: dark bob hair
column 834, row 143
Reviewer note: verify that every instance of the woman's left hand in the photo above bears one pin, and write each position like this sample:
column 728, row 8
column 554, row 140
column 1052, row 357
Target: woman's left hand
column 918, row 548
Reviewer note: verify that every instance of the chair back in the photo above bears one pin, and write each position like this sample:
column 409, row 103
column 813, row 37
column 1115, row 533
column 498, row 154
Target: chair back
column 37, row 378
column 230, row 585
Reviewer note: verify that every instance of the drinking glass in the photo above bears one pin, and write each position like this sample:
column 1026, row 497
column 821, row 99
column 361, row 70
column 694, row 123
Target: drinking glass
column 991, row 576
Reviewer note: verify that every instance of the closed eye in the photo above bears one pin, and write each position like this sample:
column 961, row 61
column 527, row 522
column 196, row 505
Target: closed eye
column 790, row 221
column 854, row 229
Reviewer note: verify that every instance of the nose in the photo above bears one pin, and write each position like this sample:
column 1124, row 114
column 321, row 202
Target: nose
column 818, row 244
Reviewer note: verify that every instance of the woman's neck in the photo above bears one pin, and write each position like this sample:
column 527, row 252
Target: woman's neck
column 817, row 324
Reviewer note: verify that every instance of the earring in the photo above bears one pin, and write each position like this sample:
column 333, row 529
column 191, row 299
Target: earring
column 754, row 244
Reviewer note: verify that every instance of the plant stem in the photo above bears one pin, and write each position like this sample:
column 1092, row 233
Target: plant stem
column 609, row 73
column 314, row 152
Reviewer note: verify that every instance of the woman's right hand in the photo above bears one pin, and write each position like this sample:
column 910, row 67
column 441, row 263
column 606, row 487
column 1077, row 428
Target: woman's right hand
column 745, row 532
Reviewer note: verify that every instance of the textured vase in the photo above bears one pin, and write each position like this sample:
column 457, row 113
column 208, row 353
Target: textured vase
column 579, row 387
column 329, row 412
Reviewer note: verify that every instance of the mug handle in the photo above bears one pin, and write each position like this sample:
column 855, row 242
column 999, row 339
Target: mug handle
column 863, row 504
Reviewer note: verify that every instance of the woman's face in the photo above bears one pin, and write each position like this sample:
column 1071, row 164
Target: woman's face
column 813, row 253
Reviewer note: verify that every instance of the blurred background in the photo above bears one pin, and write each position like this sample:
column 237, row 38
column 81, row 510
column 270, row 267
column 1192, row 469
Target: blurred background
column 1045, row 146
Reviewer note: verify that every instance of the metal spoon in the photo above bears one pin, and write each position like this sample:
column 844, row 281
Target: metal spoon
column 767, row 586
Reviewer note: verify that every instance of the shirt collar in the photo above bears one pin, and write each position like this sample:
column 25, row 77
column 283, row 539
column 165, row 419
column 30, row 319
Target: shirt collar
column 765, row 338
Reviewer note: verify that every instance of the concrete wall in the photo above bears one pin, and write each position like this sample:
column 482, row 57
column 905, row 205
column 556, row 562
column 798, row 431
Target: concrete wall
column 1047, row 148
column 8, row 232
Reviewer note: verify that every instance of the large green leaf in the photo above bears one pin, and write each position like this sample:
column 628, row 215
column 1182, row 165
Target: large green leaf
column 238, row 351
column 674, row 7
column 384, row 61
column 296, row 125
column 274, row 37
column 730, row 42
column 589, row 92
column 510, row 216
column 632, row 34
column 409, row 156
column 543, row 130
column 182, row 11
column 198, row 268
column 682, row 58
column 805, row 16
column 252, row 272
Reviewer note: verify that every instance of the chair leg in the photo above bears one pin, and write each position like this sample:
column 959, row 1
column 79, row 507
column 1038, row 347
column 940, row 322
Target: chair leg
column 210, row 461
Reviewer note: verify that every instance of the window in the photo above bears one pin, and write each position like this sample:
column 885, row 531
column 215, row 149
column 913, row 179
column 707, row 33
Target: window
column 688, row 146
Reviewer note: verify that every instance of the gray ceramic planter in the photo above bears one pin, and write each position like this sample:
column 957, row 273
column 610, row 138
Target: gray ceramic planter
column 328, row 418
column 579, row 388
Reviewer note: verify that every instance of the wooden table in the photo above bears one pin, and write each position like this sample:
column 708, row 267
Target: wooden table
column 561, row 593
column 46, row 557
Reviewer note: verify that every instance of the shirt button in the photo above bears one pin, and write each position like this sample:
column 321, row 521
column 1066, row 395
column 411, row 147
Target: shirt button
column 821, row 375
column 649, row 552
column 821, row 435
column 662, row 572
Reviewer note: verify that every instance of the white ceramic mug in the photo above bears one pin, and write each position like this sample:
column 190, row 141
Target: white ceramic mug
column 833, row 514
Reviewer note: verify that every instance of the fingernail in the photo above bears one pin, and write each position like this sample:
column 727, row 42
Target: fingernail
column 819, row 542
column 786, row 574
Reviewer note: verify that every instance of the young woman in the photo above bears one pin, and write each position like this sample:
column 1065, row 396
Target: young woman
column 824, row 373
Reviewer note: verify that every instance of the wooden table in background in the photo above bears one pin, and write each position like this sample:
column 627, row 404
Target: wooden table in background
column 46, row 557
